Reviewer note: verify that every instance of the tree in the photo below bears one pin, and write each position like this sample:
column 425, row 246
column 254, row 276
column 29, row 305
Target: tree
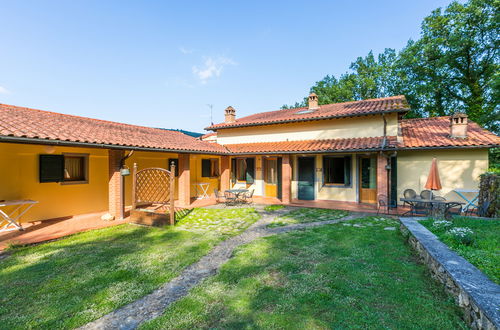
column 454, row 66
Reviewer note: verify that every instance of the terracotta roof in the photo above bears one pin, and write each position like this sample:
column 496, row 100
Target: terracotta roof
column 331, row 145
column 204, row 136
column 48, row 126
column 335, row 110
column 435, row 132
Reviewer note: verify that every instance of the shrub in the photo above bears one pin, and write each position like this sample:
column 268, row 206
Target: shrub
column 442, row 224
column 489, row 191
column 462, row 235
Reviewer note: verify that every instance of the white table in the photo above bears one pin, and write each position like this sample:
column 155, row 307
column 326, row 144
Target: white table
column 469, row 201
column 202, row 190
column 10, row 220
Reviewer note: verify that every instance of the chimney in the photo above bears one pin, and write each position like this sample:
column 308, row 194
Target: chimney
column 313, row 101
column 230, row 115
column 458, row 125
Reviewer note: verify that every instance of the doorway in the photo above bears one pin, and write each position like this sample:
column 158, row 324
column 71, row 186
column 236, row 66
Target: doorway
column 271, row 177
column 306, row 178
column 368, row 179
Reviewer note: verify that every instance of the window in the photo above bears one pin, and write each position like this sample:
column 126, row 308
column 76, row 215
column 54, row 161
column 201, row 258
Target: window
column 66, row 168
column 243, row 169
column 210, row 168
column 337, row 171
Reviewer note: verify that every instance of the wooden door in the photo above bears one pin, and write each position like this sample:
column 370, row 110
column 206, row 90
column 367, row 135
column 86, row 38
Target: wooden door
column 271, row 177
column 306, row 178
column 368, row 179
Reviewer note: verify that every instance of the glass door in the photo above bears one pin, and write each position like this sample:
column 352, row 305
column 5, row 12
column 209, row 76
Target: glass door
column 368, row 179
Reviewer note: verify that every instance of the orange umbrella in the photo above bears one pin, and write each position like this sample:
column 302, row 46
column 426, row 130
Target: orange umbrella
column 433, row 182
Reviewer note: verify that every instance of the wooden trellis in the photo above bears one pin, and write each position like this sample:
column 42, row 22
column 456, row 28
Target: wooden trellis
column 154, row 186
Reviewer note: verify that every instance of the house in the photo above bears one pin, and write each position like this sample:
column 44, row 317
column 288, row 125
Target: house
column 350, row 152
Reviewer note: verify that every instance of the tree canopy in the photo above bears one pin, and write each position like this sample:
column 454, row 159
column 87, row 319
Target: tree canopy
column 454, row 66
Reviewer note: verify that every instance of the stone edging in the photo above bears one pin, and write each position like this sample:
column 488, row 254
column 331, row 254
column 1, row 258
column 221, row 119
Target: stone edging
column 475, row 293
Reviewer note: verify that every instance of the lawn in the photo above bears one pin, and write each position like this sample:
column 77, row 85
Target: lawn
column 354, row 274
column 482, row 248
column 67, row 283
column 303, row 215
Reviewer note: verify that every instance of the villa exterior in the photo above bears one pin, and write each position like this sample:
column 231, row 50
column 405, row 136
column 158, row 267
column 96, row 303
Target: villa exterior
column 350, row 152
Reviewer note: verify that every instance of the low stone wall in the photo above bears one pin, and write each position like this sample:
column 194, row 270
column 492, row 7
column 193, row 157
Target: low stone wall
column 477, row 295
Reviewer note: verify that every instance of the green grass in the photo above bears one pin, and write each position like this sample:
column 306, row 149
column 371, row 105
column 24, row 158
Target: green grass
column 334, row 276
column 484, row 253
column 272, row 208
column 304, row 215
column 67, row 283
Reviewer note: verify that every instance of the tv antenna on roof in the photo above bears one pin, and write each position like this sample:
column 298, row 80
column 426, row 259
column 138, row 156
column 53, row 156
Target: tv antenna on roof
column 211, row 119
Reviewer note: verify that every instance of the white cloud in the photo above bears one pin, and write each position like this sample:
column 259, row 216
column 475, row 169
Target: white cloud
column 211, row 68
column 4, row 90
column 185, row 50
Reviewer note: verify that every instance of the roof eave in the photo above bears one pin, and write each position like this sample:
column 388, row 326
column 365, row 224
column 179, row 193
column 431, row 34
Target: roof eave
column 215, row 129
column 26, row 140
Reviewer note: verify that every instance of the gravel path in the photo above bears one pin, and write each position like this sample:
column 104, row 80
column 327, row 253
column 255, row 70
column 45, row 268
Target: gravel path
column 153, row 305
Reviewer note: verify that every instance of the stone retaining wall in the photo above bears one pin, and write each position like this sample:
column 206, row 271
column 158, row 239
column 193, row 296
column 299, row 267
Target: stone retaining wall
column 477, row 295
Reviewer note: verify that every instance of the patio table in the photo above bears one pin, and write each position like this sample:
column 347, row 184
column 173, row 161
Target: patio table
column 238, row 193
column 469, row 202
column 438, row 208
column 21, row 206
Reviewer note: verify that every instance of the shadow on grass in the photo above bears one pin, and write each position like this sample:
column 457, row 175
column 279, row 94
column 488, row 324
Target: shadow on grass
column 70, row 282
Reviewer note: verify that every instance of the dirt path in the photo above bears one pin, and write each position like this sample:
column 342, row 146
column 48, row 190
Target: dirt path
column 154, row 304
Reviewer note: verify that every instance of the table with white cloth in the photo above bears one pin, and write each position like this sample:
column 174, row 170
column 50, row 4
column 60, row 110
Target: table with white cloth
column 9, row 220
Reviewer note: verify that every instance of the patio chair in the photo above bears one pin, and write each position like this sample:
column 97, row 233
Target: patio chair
column 410, row 194
column 426, row 194
column 384, row 202
column 219, row 198
column 229, row 198
column 248, row 196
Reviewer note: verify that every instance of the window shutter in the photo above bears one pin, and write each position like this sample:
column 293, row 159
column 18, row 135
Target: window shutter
column 250, row 170
column 51, row 168
column 233, row 170
column 176, row 163
column 347, row 170
column 205, row 168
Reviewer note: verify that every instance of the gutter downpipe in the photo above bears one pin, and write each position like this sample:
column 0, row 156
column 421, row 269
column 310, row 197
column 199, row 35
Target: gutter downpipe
column 122, row 185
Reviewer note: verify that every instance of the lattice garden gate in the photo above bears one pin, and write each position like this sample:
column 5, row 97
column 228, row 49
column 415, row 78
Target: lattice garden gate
column 154, row 189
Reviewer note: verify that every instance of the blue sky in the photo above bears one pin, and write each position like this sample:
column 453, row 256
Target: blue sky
column 159, row 63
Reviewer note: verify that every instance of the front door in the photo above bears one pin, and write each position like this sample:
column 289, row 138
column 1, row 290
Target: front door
column 368, row 179
column 306, row 178
column 271, row 177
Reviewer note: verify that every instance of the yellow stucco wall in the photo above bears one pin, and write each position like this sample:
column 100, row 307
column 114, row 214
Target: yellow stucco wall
column 19, row 179
column 457, row 169
column 368, row 126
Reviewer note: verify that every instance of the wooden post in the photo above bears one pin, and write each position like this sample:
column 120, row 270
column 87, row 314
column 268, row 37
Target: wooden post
column 134, row 183
column 172, row 194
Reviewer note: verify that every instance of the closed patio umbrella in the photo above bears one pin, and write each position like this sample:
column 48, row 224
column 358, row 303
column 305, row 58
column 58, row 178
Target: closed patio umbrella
column 433, row 181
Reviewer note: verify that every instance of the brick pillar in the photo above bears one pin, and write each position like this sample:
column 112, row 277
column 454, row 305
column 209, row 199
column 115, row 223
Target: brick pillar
column 286, row 179
column 116, row 206
column 225, row 173
column 184, row 180
column 382, row 176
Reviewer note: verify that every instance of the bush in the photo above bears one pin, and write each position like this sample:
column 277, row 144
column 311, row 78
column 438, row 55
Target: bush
column 489, row 191
column 462, row 235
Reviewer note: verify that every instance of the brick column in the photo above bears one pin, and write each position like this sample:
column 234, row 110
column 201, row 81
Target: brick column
column 116, row 206
column 225, row 173
column 286, row 179
column 382, row 177
column 184, row 180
